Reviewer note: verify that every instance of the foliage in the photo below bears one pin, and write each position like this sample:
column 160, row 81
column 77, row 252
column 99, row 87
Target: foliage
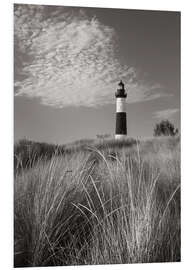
column 165, row 128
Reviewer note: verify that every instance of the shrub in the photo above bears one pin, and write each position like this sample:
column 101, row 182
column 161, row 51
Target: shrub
column 165, row 128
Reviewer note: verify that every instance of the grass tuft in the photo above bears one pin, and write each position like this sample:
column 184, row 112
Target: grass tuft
column 117, row 203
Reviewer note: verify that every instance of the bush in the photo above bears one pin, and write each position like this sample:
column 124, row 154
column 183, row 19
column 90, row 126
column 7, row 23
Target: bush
column 165, row 128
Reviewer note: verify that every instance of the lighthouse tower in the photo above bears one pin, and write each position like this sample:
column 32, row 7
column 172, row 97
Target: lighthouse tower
column 121, row 117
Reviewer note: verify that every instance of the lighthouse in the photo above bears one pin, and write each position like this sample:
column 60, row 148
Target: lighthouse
column 121, row 117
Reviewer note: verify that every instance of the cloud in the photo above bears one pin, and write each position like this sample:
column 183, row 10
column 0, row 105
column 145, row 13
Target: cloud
column 165, row 114
column 68, row 59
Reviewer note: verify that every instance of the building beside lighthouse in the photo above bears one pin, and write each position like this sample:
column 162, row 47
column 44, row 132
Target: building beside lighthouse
column 121, row 116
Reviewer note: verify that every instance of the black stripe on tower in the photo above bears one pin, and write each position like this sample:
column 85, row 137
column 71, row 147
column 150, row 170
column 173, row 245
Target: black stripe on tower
column 121, row 123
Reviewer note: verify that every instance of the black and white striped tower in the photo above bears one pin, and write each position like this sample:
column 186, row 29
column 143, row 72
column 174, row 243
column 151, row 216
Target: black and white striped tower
column 121, row 117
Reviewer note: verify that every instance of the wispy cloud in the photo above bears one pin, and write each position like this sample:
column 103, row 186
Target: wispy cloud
column 165, row 114
column 69, row 59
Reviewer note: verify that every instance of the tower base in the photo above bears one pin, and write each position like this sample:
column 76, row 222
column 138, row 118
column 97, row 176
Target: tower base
column 120, row 136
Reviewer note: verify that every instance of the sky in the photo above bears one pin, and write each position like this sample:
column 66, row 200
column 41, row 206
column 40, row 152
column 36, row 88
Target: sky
column 68, row 63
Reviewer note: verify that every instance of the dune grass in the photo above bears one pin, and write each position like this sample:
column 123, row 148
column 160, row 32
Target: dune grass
column 116, row 204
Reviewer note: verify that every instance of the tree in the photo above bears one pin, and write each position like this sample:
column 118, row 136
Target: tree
column 165, row 128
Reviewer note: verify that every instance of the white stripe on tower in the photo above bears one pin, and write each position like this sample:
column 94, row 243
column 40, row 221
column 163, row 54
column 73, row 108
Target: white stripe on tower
column 120, row 105
column 121, row 118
